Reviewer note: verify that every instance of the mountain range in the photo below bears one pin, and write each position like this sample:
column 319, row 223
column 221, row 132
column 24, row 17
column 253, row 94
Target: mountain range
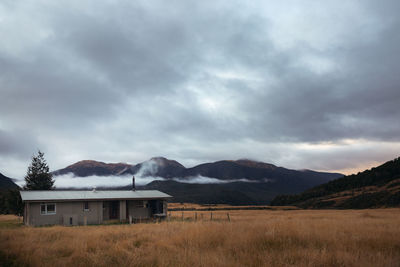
column 247, row 182
column 7, row 183
column 222, row 170
column 235, row 182
column 374, row 188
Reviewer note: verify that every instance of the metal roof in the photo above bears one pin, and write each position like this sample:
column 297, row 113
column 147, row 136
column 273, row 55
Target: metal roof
column 54, row 195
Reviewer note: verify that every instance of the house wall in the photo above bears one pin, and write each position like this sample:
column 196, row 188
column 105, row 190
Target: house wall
column 65, row 211
column 106, row 210
column 26, row 214
column 138, row 209
column 98, row 212
column 122, row 210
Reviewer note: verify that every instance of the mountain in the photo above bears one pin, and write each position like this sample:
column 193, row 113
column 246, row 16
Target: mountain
column 7, row 183
column 377, row 187
column 157, row 167
column 90, row 167
column 237, row 182
column 259, row 171
column 222, row 170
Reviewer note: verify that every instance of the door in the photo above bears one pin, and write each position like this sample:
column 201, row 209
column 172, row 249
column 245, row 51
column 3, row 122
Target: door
column 114, row 210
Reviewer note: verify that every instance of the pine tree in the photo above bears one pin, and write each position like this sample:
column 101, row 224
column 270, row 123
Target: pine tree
column 38, row 176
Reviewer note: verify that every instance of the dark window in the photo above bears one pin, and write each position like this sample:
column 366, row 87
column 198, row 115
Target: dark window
column 86, row 205
column 47, row 208
column 51, row 208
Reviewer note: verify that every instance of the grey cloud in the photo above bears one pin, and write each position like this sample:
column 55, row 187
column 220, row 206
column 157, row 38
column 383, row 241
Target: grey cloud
column 16, row 144
column 118, row 80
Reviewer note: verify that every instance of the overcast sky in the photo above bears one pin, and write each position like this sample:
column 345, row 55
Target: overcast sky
column 300, row 84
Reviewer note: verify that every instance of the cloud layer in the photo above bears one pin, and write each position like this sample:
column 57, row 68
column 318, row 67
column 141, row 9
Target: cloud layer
column 95, row 181
column 311, row 85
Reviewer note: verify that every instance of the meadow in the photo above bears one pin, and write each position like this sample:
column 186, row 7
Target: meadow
column 250, row 238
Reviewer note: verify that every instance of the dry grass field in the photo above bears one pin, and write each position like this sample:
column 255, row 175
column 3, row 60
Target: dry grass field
column 250, row 238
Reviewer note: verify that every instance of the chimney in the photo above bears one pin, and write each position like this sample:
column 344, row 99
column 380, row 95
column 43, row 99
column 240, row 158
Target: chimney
column 133, row 183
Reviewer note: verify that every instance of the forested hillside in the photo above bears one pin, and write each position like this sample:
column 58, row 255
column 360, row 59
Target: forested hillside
column 377, row 187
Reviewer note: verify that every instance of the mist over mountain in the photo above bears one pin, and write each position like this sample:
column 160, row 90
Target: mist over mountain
column 158, row 167
column 85, row 168
column 221, row 170
column 226, row 181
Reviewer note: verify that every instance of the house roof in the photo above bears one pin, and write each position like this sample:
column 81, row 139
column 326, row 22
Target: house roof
column 53, row 195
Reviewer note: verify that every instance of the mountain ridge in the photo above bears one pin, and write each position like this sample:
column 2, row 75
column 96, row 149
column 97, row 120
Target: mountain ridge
column 239, row 182
column 166, row 168
column 85, row 168
column 372, row 188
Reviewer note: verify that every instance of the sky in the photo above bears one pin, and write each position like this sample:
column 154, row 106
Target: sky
column 299, row 84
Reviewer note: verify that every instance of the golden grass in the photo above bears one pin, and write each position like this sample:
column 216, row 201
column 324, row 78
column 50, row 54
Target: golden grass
column 252, row 238
column 9, row 218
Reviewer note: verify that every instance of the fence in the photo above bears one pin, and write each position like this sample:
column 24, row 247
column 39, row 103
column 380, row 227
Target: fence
column 198, row 216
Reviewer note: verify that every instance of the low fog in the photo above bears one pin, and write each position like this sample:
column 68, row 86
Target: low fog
column 71, row 181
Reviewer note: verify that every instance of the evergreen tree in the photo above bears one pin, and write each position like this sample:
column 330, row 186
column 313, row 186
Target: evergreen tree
column 38, row 176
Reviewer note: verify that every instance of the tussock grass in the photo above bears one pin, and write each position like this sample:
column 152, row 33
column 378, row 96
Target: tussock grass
column 252, row 238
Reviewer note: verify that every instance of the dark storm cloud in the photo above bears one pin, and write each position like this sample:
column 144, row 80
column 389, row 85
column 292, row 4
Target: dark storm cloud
column 198, row 81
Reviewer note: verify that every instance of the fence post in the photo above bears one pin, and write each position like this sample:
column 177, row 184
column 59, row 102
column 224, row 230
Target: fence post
column 211, row 216
column 229, row 218
column 130, row 219
column 195, row 216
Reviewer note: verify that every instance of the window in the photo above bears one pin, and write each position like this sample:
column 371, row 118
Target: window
column 86, row 206
column 139, row 204
column 48, row 208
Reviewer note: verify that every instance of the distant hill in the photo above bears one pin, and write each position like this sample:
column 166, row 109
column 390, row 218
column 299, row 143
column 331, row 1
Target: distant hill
column 7, row 183
column 377, row 187
column 91, row 167
column 259, row 171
